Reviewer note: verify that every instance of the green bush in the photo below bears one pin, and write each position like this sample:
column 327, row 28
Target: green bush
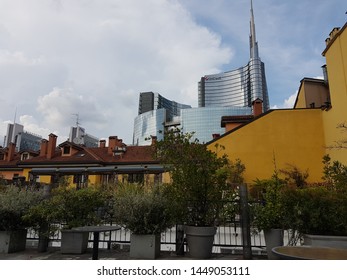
column 14, row 204
column 268, row 213
column 316, row 210
column 77, row 207
column 143, row 210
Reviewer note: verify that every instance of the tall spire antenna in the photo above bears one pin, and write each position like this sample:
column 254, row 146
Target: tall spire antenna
column 13, row 138
column 252, row 38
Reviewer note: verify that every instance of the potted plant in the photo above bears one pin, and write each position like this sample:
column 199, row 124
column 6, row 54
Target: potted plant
column 318, row 212
column 14, row 204
column 319, row 215
column 76, row 208
column 146, row 212
column 197, row 183
column 268, row 214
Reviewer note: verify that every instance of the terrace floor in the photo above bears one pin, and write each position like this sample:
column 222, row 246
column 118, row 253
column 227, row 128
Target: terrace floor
column 53, row 253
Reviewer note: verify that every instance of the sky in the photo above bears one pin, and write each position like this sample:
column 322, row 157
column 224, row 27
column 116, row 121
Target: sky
column 92, row 58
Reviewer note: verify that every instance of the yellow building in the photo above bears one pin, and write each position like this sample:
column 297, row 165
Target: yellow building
column 301, row 136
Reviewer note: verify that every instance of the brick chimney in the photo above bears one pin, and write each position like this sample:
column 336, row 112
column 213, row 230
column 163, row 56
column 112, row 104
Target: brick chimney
column 43, row 147
column 52, row 142
column 154, row 140
column 257, row 107
column 113, row 142
column 102, row 143
column 215, row 135
column 11, row 151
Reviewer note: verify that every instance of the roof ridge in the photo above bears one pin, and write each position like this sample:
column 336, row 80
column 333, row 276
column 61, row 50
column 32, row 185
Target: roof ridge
column 94, row 155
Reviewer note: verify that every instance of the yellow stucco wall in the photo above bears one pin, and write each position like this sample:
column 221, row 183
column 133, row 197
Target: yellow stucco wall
column 280, row 137
column 8, row 175
column 301, row 98
column 336, row 58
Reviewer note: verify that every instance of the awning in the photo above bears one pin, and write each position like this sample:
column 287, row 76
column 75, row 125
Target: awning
column 120, row 169
column 44, row 171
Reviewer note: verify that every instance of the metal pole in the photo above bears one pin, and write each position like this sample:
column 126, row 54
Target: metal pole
column 245, row 223
column 179, row 240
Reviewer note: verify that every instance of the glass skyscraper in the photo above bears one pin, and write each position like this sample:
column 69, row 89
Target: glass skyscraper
column 231, row 93
column 239, row 87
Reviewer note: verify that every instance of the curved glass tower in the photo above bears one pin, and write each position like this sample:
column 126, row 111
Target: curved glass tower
column 239, row 87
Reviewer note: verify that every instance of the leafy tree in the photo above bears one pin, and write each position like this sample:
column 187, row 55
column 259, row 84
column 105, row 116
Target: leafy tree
column 198, row 177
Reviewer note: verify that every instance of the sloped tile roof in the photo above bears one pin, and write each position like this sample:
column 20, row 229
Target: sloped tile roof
column 133, row 154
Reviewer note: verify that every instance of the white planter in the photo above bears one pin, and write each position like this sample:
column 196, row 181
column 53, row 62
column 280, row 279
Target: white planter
column 13, row 241
column 273, row 238
column 145, row 246
column 73, row 242
column 325, row 241
column 200, row 241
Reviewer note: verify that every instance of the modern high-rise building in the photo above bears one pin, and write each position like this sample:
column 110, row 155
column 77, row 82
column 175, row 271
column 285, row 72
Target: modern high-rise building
column 231, row 93
column 23, row 140
column 239, row 87
column 155, row 113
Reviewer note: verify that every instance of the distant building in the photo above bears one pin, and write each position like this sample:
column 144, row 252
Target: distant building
column 23, row 140
column 79, row 136
column 155, row 113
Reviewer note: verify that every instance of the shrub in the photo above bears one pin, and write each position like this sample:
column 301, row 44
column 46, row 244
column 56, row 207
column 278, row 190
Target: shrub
column 143, row 210
column 77, row 207
column 14, row 204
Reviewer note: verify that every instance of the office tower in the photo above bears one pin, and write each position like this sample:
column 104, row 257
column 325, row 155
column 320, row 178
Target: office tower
column 239, row 87
column 155, row 113
column 23, row 140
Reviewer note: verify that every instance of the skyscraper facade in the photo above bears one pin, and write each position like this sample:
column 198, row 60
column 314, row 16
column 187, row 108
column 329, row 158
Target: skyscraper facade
column 239, row 87
column 23, row 140
column 155, row 113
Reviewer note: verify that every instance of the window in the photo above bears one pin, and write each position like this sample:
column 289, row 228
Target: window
column 66, row 150
column 25, row 156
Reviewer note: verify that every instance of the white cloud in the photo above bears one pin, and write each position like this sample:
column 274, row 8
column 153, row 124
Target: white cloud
column 94, row 58
column 287, row 103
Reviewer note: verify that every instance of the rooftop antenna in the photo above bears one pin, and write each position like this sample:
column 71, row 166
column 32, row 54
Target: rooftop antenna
column 77, row 119
column 253, row 40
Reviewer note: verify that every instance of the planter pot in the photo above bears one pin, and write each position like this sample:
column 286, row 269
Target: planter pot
column 200, row 241
column 144, row 246
column 309, row 253
column 325, row 241
column 73, row 242
column 13, row 241
column 273, row 238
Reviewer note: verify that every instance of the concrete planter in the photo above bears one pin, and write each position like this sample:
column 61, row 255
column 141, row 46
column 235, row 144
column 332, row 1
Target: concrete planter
column 200, row 241
column 13, row 241
column 273, row 238
column 325, row 241
column 74, row 242
column 145, row 246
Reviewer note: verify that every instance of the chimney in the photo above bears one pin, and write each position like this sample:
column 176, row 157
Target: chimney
column 154, row 140
column 43, row 147
column 113, row 142
column 215, row 135
column 52, row 142
column 11, row 151
column 257, row 107
column 102, row 143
